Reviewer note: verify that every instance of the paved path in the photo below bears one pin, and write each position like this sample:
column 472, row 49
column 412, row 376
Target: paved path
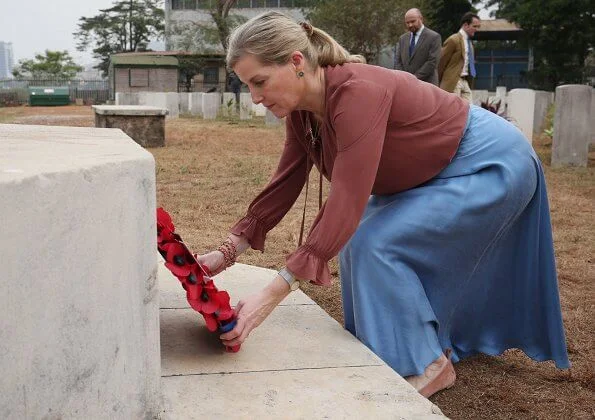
column 299, row 364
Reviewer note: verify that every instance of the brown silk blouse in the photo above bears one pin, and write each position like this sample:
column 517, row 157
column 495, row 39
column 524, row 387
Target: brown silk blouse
column 384, row 131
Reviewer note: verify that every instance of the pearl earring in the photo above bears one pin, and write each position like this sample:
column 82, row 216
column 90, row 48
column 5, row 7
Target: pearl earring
column 300, row 74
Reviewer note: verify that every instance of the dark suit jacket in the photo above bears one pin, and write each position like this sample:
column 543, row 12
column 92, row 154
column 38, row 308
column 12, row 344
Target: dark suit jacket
column 424, row 62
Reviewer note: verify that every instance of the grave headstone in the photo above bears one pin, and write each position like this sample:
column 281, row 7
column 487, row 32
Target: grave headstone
column 211, row 102
column 245, row 106
column 195, row 103
column 572, row 125
column 271, row 119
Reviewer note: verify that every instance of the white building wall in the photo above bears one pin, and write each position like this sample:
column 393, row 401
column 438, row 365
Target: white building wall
column 6, row 60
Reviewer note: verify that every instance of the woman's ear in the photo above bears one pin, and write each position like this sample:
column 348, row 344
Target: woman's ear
column 298, row 60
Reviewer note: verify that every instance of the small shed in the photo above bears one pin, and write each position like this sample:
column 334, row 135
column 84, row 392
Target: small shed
column 143, row 72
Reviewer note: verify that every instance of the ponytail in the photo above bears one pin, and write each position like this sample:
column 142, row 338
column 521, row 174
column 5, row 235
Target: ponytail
column 272, row 37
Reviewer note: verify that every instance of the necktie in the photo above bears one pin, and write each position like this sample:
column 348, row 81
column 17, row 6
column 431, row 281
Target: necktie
column 472, row 71
column 412, row 44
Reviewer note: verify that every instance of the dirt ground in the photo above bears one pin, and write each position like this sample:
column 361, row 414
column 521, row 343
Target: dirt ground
column 210, row 170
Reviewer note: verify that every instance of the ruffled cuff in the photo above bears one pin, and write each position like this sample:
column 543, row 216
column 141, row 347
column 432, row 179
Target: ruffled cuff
column 306, row 264
column 253, row 229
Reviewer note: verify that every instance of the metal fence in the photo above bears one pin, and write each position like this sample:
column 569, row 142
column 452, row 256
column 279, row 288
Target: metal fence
column 15, row 92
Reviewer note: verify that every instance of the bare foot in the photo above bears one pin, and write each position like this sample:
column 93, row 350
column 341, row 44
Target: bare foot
column 440, row 374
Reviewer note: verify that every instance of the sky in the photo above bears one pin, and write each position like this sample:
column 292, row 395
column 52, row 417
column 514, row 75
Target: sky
column 36, row 25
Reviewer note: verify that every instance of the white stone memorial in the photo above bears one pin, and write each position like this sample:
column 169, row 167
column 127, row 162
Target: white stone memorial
column 245, row 106
column 271, row 119
column 211, row 102
column 521, row 110
column 229, row 103
column 79, row 310
column 259, row 110
column 195, row 103
column 184, row 100
column 572, row 125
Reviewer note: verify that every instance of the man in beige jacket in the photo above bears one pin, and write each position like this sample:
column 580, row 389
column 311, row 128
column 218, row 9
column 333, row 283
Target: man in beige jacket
column 457, row 62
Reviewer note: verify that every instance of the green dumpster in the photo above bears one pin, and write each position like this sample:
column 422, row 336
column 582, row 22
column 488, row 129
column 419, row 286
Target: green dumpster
column 49, row 96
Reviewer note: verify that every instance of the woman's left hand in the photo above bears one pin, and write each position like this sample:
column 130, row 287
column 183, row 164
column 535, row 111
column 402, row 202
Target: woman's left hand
column 251, row 311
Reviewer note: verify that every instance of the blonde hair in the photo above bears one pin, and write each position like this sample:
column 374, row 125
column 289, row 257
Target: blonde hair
column 273, row 36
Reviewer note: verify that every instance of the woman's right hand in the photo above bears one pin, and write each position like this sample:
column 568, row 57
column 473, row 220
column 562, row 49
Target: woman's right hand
column 214, row 261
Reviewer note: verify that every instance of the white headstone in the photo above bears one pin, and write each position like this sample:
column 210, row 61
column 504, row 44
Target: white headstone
column 271, row 119
column 521, row 110
column 172, row 100
column 479, row 96
column 245, row 106
column 229, row 103
column 543, row 100
column 184, row 100
column 572, row 125
column 126, row 98
column 195, row 103
column 211, row 102
column 259, row 110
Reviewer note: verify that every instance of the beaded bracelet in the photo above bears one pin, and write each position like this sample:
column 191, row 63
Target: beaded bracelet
column 229, row 251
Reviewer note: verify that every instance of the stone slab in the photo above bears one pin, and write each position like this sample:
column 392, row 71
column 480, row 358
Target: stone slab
column 354, row 392
column 299, row 364
column 309, row 337
column 131, row 110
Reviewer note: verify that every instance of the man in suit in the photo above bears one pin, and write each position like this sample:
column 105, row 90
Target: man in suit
column 418, row 50
column 457, row 62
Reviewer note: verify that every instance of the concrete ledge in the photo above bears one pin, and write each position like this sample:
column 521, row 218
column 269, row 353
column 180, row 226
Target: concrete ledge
column 300, row 363
column 136, row 110
column 79, row 314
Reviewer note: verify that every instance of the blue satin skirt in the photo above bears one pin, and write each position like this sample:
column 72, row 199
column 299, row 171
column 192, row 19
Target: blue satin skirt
column 463, row 262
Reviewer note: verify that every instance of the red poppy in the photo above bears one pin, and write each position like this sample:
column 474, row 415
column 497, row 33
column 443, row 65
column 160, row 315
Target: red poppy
column 165, row 226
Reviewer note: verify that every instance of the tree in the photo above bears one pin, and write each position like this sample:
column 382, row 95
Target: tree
column 561, row 35
column 52, row 64
column 202, row 37
column 362, row 27
column 124, row 27
column 207, row 36
column 444, row 16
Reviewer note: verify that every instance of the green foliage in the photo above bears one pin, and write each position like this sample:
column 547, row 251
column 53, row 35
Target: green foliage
column 51, row 64
column 188, row 67
column 444, row 16
column 362, row 27
column 208, row 37
column 561, row 32
column 124, row 27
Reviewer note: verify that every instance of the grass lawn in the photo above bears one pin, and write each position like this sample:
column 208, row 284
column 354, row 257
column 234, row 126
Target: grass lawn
column 210, row 170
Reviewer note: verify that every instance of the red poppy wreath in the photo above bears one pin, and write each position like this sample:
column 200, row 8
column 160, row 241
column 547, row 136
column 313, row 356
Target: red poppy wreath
column 202, row 295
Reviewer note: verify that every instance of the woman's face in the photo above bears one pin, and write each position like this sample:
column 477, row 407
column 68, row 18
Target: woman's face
column 277, row 87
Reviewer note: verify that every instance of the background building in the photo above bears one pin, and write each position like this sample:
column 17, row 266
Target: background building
column 6, row 60
column 182, row 12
